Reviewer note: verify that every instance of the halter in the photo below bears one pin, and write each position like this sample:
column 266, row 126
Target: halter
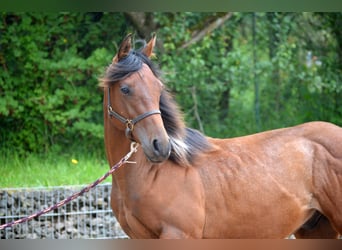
column 128, row 122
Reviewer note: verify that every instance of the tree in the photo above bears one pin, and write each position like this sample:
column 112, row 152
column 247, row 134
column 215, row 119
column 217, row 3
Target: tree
column 50, row 64
column 211, row 62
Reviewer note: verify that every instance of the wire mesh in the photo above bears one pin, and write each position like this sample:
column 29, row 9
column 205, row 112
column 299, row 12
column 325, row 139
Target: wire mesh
column 89, row 216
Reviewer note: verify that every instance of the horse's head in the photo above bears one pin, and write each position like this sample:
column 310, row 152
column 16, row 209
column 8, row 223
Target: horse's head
column 133, row 96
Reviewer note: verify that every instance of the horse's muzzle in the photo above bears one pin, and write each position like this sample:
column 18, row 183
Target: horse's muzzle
column 158, row 150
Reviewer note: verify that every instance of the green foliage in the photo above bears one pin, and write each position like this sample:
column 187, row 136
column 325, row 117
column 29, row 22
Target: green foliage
column 215, row 79
column 50, row 64
column 48, row 86
column 201, row 75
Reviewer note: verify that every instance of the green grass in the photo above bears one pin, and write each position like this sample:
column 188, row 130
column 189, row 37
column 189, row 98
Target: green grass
column 51, row 169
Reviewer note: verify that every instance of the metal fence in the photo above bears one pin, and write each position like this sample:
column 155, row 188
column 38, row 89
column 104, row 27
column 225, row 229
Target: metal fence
column 89, row 216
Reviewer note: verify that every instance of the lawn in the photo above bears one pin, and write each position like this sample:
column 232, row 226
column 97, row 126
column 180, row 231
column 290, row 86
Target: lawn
column 51, row 169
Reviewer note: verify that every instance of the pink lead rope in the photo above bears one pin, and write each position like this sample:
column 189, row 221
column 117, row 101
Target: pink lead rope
column 134, row 147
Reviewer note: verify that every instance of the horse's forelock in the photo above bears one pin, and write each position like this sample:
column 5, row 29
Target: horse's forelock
column 126, row 66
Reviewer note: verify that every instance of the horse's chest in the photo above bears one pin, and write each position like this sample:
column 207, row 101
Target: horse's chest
column 132, row 211
column 132, row 222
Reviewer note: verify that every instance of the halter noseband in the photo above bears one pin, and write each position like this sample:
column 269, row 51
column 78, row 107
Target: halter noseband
column 128, row 122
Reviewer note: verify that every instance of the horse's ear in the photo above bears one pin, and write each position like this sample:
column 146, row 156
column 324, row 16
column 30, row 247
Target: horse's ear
column 148, row 49
column 124, row 49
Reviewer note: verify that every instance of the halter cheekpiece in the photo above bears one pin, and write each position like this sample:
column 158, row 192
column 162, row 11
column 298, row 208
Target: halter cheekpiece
column 128, row 122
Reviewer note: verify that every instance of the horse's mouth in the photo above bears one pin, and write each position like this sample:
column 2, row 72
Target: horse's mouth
column 157, row 154
column 154, row 160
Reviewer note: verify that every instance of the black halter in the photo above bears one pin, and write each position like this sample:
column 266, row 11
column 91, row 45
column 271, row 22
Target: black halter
column 128, row 122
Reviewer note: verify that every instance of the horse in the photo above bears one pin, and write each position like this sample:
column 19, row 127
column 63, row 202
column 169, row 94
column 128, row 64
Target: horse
column 184, row 184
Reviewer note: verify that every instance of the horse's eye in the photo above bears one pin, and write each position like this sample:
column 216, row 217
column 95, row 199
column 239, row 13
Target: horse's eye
column 125, row 90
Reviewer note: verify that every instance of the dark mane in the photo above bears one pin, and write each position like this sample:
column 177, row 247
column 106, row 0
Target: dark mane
column 127, row 66
column 186, row 142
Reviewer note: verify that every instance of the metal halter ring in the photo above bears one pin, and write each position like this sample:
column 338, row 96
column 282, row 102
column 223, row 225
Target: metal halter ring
column 129, row 129
column 129, row 124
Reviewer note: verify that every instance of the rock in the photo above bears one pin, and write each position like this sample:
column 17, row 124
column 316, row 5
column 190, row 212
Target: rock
column 3, row 203
column 59, row 226
column 97, row 222
column 100, row 203
column 38, row 231
column 32, row 236
column 2, row 212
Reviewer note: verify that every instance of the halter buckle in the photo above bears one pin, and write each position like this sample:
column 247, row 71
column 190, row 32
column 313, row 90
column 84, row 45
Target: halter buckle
column 129, row 125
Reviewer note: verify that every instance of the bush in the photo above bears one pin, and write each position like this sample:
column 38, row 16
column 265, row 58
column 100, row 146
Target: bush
column 48, row 88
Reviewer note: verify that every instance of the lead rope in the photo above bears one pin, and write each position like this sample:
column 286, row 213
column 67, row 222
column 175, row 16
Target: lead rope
column 134, row 147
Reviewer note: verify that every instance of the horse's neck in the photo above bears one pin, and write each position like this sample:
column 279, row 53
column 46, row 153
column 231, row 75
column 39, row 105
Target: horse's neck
column 116, row 143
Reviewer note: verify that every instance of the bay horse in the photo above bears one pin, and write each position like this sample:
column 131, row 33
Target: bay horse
column 187, row 185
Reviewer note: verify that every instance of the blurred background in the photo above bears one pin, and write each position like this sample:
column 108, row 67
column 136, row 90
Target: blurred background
column 232, row 74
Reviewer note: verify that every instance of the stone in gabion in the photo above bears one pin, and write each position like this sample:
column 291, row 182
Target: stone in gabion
column 89, row 216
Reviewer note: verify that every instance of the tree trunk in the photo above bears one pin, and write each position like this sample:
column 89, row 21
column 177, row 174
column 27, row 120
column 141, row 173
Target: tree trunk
column 274, row 41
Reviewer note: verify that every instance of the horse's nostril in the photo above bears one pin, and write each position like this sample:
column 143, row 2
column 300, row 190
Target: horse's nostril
column 156, row 146
column 161, row 151
column 158, row 151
